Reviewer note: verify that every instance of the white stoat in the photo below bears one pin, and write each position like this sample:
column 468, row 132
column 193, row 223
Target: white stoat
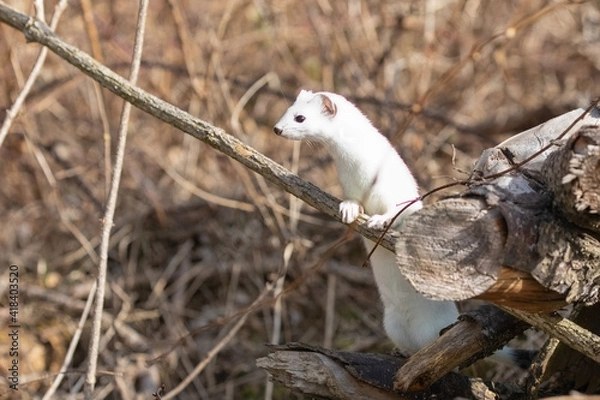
column 373, row 177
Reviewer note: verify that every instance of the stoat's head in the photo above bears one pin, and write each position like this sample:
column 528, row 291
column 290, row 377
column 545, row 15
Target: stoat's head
column 311, row 117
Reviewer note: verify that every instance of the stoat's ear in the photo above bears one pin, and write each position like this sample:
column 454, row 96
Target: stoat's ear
column 329, row 107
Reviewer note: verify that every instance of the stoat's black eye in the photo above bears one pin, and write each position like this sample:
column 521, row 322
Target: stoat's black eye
column 299, row 118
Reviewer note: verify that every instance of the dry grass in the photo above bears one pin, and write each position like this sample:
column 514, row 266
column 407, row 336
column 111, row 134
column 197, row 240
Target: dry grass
column 180, row 259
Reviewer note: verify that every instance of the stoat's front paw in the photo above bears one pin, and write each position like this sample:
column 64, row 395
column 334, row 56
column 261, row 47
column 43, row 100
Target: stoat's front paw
column 378, row 221
column 349, row 210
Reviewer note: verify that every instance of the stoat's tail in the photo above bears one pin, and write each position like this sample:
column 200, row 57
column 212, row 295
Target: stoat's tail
column 519, row 357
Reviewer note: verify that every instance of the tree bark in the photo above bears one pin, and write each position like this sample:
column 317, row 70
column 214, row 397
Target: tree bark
column 573, row 175
column 316, row 371
column 575, row 370
column 525, row 239
column 478, row 334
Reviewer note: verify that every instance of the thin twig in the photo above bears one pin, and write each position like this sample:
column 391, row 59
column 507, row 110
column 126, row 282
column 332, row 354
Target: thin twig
column 197, row 191
column 187, row 47
column 473, row 56
column 12, row 112
column 107, row 221
column 94, row 38
column 218, row 347
column 237, row 109
column 326, row 255
column 278, row 307
column 202, row 130
column 330, row 310
column 72, row 345
column 566, row 331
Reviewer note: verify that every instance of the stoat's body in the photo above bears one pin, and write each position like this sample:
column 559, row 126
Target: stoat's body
column 374, row 178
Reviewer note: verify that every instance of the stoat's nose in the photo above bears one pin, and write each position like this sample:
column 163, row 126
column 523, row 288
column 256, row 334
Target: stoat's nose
column 277, row 130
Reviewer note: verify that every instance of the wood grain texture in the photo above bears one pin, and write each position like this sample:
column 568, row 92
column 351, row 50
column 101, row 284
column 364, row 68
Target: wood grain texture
column 478, row 334
column 450, row 250
column 511, row 240
column 316, row 371
column 573, row 175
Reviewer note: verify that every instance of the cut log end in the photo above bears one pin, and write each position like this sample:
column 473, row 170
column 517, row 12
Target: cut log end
column 519, row 290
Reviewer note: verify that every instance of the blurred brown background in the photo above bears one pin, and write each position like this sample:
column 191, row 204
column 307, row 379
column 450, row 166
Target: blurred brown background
column 182, row 254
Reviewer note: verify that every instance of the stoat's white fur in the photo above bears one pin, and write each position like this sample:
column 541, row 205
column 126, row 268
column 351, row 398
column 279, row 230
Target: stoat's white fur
column 373, row 178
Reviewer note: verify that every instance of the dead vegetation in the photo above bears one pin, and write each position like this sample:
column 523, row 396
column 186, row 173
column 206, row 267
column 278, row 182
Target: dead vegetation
column 197, row 237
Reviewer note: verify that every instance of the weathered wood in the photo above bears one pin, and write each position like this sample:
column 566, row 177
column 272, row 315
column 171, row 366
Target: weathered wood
column 566, row 331
column 573, row 174
column 453, row 250
column 449, row 250
column 577, row 371
column 478, row 334
column 523, row 240
column 315, row 374
column 316, row 371
column 570, row 262
column 522, row 291
column 502, row 239
column 539, row 367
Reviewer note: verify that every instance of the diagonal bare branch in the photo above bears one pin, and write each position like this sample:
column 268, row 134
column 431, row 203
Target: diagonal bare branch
column 36, row 31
